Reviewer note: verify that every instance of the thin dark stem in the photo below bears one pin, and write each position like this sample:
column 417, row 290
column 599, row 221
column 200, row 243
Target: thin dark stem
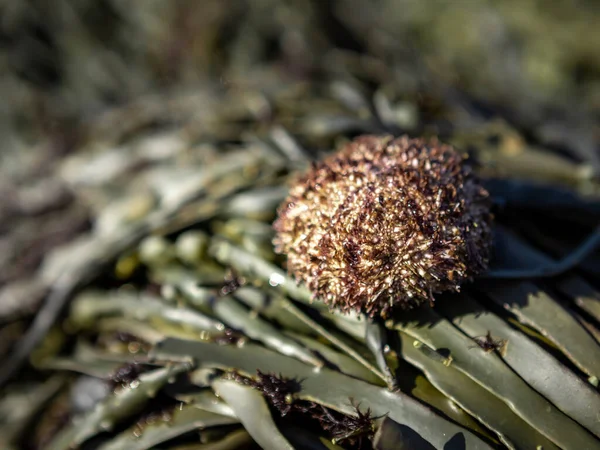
column 552, row 269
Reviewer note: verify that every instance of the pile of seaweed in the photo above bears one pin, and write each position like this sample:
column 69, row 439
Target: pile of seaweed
column 145, row 151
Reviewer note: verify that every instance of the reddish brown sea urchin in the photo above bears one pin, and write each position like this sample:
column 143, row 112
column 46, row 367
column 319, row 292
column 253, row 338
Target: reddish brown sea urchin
column 385, row 223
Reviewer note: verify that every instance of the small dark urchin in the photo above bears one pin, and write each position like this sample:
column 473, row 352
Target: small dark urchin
column 384, row 223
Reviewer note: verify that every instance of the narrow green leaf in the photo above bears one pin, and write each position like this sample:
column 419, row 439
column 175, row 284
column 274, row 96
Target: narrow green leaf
column 376, row 341
column 230, row 311
column 420, row 387
column 491, row 372
column 513, row 431
column 324, row 386
column 342, row 362
column 183, row 420
column 95, row 368
column 331, row 337
column 89, row 306
column 270, row 306
column 252, row 410
column 537, row 309
column 574, row 396
column 299, row 437
column 208, row 401
column 258, row 269
column 115, row 408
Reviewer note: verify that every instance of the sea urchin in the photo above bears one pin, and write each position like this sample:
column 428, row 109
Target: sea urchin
column 384, row 223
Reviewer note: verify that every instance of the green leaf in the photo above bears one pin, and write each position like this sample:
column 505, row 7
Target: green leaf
column 513, row 431
column 230, row 311
column 115, row 408
column 252, row 410
column 492, row 373
column 416, row 384
column 323, row 386
column 376, row 341
column 91, row 305
column 340, row 361
column 536, row 308
column 208, row 401
column 574, row 396
column 183, row 419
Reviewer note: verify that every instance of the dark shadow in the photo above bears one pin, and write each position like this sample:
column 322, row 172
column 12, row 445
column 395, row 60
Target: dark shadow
column 558, row 232
column 456, row 442
column 394, row 436
column 535, row 200
column 406, row 374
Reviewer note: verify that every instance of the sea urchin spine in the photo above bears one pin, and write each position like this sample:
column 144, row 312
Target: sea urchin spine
column 384, row 223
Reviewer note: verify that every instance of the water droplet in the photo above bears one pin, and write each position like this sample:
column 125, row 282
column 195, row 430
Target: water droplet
column 276, row 279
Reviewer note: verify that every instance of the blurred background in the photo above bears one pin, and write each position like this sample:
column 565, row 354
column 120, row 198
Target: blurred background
column 109, row 110
column 65, row 62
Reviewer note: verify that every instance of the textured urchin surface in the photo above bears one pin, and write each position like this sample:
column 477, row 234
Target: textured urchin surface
column 384, row 223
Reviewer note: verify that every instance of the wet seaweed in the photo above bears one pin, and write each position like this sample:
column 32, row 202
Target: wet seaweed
column 137, row 198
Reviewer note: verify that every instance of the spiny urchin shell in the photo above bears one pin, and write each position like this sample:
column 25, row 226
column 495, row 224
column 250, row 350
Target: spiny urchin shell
column 385, row 223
